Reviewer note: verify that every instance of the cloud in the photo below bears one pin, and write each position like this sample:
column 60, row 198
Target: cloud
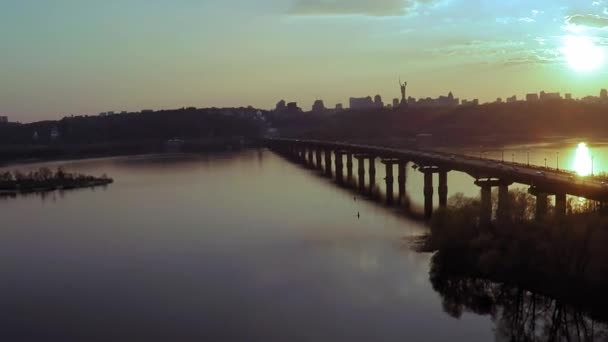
column 378, row 8
column 497, row 52
column 589, row 20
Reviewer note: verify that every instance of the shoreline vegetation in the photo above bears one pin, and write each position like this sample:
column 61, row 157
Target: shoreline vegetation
column 37, row 153
column 563, row 258
column 45, row 180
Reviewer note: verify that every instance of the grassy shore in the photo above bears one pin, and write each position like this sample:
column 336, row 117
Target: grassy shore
column 46, row 180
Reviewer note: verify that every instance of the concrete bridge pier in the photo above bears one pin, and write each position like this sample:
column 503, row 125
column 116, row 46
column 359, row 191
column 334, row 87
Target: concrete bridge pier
column 401, row 179
column 541, row 202
column 541, row 205
column 485, row 216
column 304, row 156
column 560, row 205
column 443, row 189
column 349, row 166
column 372, row 174
column 390, row 198
column 361, row 172
column 318, row 158
column 328, row 163
column 339, row 167
column 311, row 158
column 301, row 154
column 503, row 210
column 428, row 194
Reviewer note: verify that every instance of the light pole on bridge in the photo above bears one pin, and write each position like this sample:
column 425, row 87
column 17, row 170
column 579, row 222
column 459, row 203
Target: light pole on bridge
column 545, row 162
column 557, row 161
column 528, row 157
column 513, row 158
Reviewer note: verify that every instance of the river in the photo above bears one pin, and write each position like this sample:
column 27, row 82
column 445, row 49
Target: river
column 242, row 246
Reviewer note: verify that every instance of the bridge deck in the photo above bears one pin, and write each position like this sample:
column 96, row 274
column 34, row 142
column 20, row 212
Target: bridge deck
column 546, row 180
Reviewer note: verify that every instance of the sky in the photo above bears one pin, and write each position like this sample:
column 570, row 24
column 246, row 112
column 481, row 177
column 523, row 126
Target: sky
column 66, row 57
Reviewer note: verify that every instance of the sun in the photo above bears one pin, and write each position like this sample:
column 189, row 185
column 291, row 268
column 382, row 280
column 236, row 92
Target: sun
column 582, row 54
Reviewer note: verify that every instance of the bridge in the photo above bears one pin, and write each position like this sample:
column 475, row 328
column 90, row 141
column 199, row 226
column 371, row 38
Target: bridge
column 543, row 182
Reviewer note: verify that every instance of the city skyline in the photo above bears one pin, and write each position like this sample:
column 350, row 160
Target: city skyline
column 87, row 57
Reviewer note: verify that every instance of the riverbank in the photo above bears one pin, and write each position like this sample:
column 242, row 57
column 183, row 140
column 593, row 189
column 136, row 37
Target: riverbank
column 17, row 154
column 563, row 258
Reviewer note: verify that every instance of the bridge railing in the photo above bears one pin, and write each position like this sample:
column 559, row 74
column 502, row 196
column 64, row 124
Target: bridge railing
column 442, row 154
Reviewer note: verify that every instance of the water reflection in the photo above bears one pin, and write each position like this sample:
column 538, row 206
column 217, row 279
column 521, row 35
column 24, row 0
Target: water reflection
column 518, row 314
column 563, row 154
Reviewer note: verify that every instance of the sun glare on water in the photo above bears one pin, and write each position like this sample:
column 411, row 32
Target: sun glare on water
column 582, row 54
column 582, row 160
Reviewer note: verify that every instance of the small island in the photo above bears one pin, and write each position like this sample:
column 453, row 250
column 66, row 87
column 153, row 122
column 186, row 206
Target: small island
column 46, row 180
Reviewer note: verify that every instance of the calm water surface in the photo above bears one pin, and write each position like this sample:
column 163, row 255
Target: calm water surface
column 243, row 246
column 239, row 247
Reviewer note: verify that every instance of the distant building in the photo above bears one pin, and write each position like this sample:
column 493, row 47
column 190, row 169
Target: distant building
column 361, row 103
column 532, row 97
column 378, row 101
column 318, row 106
column 568, row 96
column 604, row 94
column 147, row 111
column 499, row 100
column 590, row 99
column 512, row 99
column 549, row 96
column 3, row 119
column 474, row 102
column 396, row 103
column 441, row 101
column 281, row 106
column 339, row 107
column 292, row 107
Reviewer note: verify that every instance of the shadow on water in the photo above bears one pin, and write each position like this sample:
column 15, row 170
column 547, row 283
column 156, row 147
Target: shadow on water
column 401, row 206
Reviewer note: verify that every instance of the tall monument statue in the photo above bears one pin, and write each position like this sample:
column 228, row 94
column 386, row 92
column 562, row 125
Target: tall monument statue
column 403, row 89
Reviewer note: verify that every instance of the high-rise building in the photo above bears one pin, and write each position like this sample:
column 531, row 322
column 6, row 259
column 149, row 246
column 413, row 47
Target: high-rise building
column 604, row 94
column 532, row 97
column 281, row 106
column 568, row 96
column 395, row 103
column 549, row 96
column 3, row 119
column 361, row 103
column 318, row 106
column 292, row 107
column 339, row 107
column 512, row 99
column 378, row 101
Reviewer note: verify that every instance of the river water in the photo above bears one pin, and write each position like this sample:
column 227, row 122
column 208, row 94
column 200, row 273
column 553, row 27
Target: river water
column 243, row 246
